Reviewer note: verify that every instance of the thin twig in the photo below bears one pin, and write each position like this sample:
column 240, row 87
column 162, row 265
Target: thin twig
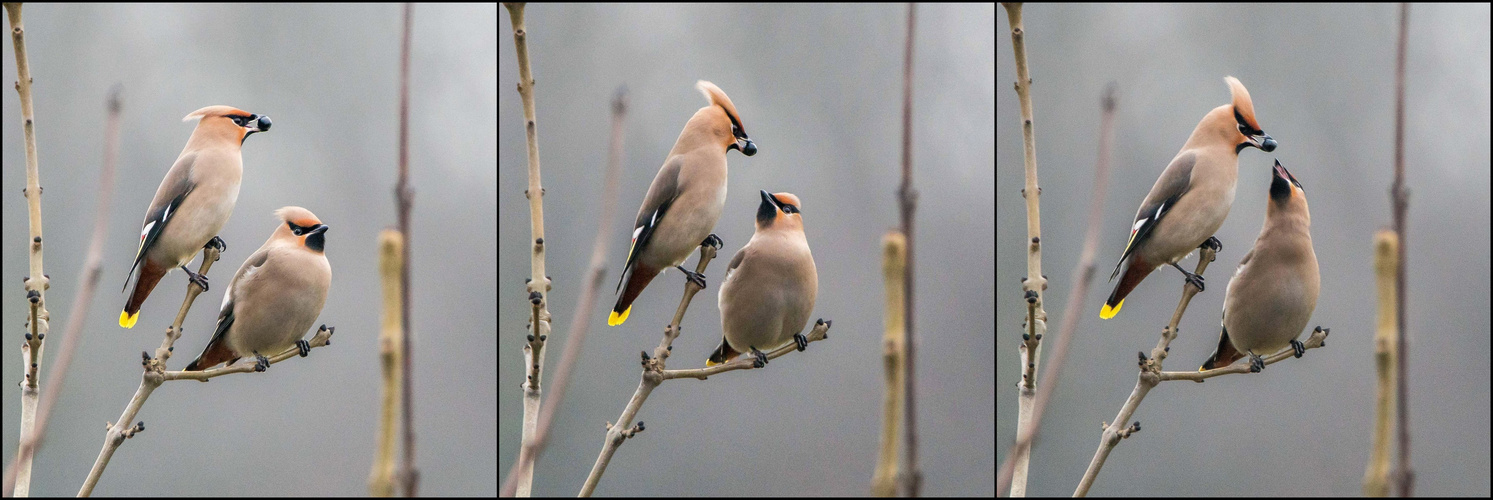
column 539, row 283
column 1083, row 274
column 1376, row 473
column 893, row 350
column 89, row 276
column 404, row 197
column 152, row 377
column 655, row 373
column 653, row 368
column 36, row 283
column 1400, row 198
column 1034, row 285
column 1150, row 370
column 913, row 480
column 390, row 253
column 579, row 326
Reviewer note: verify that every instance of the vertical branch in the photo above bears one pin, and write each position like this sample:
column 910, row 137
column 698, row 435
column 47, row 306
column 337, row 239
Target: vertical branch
column 579, row 326
column 1399, row 198
column 909, row 204
column 538, row 283
column 1035, row 283
column 89, row 276
column 1083, row 275
column 893, row 355
column 1386, row 268
column 37, row 281
column 391, row 271
column 404, row 198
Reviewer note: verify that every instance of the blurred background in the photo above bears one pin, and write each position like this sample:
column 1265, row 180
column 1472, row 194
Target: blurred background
column 328, row 77
column 819, row 89
column 1322, row 80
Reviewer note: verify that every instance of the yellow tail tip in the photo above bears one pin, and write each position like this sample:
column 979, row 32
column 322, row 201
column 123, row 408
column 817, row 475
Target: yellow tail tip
column 1109, row 312
column 128, row 320
column 616, row 319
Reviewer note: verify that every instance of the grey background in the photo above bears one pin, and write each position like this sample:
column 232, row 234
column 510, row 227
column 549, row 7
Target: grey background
column 327, row 76
column 1322, row 81
column 819, row 89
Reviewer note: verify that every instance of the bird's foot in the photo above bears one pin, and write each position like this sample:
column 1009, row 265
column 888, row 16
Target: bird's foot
column 692, row 277
column 197, row 279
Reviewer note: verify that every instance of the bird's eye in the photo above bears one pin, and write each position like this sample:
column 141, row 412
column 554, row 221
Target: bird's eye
column 790, row 209
column 298, row 230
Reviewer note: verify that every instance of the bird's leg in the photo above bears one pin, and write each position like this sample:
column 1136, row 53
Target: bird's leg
column 261, row 363
column 1193, row 279
column 1298, row 347
column 304, row 347
column 801, row 341
column 199, row 279
column 217, row 242
column 712, row 240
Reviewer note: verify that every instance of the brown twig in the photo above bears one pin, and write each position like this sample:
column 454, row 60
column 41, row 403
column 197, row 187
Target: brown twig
column 908, row 196
column 404, row 197
column 1400, row 198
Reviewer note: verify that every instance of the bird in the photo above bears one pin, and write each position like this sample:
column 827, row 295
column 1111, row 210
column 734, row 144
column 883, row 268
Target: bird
column 1191, row 198
column 685, row 199
column 275, row 296
column 1274, row 290
column 770, row 285
column 193, row 202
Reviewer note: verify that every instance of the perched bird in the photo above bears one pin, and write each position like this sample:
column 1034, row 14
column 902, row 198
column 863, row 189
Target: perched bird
column 1274, row 290
column 770, row 285
column 685, row 199
column 1191, row 198
column 193, row 201
column 275, row 296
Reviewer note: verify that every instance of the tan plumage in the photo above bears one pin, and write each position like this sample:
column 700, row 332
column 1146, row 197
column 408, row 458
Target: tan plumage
column 275, row 296
column 1274, row 291
column 193, row 201
column 1192, row 197
column 770, row 285
column 685, row 199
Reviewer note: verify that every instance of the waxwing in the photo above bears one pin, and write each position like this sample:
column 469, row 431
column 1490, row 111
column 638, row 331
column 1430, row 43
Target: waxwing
column 685, row 199
column 770, row 285
column 1274, row 290
column 193, row 201
column 275, row 296
column 1191, row 198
